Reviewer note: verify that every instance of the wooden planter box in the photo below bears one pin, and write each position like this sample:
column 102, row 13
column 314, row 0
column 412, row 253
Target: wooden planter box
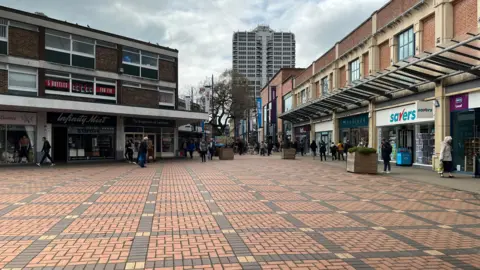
column 289, row 153
column 359, row 163
column 225, row 154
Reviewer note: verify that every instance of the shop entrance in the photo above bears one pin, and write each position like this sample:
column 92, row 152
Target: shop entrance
column 151, row 152
column 466, row 138
column 405, row 146
column 59, row 144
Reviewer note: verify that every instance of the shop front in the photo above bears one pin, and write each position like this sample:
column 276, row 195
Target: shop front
column 323, row 133
column 160, row 133
column 354, row 129
column 465, row 129
column 302, row 137
column 82, row 137
column 17, row 137
column 410, row 129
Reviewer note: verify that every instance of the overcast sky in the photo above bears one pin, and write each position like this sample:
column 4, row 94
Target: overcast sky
column 202, row 29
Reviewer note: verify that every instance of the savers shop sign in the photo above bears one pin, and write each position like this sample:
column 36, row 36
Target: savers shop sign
column 421, row 111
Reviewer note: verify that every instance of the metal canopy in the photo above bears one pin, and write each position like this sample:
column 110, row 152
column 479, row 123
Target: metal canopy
column 456, row 57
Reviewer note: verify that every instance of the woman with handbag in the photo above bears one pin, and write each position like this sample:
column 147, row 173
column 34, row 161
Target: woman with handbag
column 446, row 157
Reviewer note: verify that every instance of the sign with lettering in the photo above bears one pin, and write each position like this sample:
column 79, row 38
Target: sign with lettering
column 355, row 121
column 73, row 119
column 105, row 90
column 420, row 111
column 18, row 118
column 459, row 103
column 147, row 122
column 57, row 85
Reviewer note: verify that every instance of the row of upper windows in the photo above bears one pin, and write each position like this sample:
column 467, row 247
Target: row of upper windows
column 67, row 49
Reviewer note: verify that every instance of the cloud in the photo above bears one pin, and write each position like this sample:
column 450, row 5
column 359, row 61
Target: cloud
column 202, row 29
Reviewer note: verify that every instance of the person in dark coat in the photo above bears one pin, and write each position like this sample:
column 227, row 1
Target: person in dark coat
column 142, row 152
column 313, row 147
column 386, row 152
column 302, row 147
column 347, row 146
column 269, row 147
column 323, row 151
column 46, row 152
column 333, row 150
column 191, row 148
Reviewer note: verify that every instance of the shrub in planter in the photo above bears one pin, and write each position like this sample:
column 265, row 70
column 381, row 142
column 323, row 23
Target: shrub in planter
column 362, row 160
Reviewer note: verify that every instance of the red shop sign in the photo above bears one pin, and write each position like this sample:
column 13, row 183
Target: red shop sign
column 57, row 84
column 105, row 90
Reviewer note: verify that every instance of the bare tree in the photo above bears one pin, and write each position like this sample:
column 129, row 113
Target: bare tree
column 230, row 99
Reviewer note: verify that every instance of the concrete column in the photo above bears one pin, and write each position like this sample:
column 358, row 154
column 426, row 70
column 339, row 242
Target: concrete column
column 443, row 21
column 373, row 57
column 418, row 30
column 392, row 42
column 442, row 120
column 478, row 14
column 120, row 140
column 312, row 131
column 335, row 131
column 175, row 141
column 43, row 130
column 372, row 126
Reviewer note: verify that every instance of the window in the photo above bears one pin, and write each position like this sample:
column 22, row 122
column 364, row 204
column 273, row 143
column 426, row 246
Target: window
column 354, row 70
column 58, row 83
column 166, row 98
column 304, row 96
column 140, row 63
column 3, row 36
column 66, row 49
column 22, row 79
column 287, row 103
column 325, row 86
column 406, row 44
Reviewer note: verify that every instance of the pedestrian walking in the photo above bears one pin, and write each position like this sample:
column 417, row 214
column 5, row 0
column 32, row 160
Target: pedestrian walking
column 446, row 157
column 295, row 146
column 302, row 147
column 269, row 147
column 386, row 152
column 129, row 151
column 185, row 149
column 347, row 146
column 340, row 150
column 323, row 151
column 203, row 147
column 142, row 152
column 46, row 152
column 25, row 146
column 191, row 148
column 263, row 146
column 333, row 150
column 211, row 149
column 313, row 147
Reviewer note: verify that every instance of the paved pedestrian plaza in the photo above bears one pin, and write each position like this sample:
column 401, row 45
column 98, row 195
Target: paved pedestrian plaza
column 250, row 213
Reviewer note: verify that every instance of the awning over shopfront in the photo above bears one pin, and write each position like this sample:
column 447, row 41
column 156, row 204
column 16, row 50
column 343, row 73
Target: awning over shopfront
column 21, row 103
column 461, row 55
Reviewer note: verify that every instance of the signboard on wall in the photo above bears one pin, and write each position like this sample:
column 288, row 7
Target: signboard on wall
column 474, row 100
column 74, row 119
column 147, row 122
column 259, row 111
column 421, row 111
column 273, row 111
column 18, row 118
column 355, row 121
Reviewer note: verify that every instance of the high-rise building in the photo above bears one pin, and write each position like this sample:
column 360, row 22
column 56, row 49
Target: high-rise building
column 260, row 53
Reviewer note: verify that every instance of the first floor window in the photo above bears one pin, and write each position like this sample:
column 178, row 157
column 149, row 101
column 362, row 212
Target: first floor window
column 406, row 44
column 325, row 86
column 22, row 79
column 354, row 70
column 166, row 98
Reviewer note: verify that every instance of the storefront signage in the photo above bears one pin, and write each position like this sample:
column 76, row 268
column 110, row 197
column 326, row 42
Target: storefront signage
column 273, row 111
column 57, row 85
column 355, row 121
column 129, row 121
column 474, row 100
column 18, row 118
column 324, row 126
column 73, row 119
column 459, row 103
column 421, row 111
column 105, row 90
column 304, row 129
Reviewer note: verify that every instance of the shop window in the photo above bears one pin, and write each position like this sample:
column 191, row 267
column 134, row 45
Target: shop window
column 325, row 86
column 77, row 85
column 140, row 63
column 406, row 44
column 168, row 140
column 66, row 49
column 287, row 103
column 22, row 79
column 17, row 144
column 354, row 70
column 87, row 143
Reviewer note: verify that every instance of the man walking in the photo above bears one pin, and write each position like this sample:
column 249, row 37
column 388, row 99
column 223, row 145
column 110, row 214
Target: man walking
column 323, row 151
column 46, row 152
column 386, row 152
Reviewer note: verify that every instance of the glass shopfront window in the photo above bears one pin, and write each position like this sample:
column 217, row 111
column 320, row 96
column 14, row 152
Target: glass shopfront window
column 424, row 143
column 17, row 144
column 168, row 140
column 390, row 134
column 89, row 142
column 466, row 138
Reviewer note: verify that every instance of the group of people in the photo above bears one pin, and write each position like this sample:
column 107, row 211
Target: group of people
column 203, row 149
column 338, row 151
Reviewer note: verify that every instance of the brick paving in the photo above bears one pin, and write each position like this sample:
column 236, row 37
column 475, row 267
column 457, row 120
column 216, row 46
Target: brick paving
column 250, row 213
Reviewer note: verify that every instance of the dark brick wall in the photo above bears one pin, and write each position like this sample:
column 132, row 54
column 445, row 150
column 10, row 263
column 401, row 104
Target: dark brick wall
column 304, row 76
column 23, row 43
column 106, row 59
column 464, row 17
column 167, row 71
column 392, row 10
column 3, row 81
column 428, row 34
column 384, row 50
column 139, row 97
